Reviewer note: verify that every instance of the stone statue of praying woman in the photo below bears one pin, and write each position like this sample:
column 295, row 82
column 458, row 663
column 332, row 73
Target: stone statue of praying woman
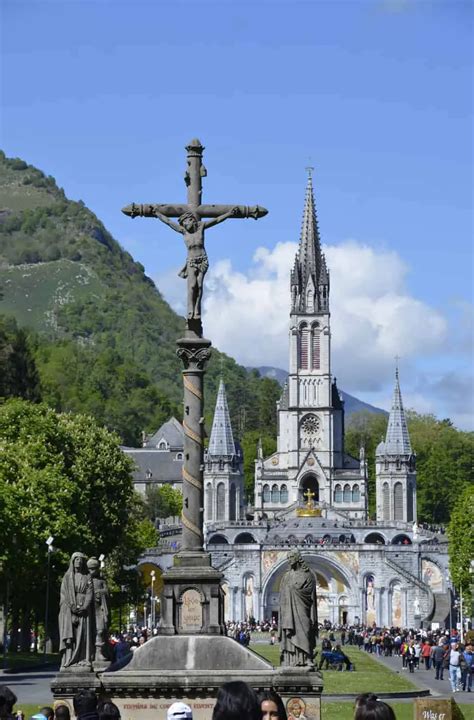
column 298, row 613
column 75, row 614
column 192, row 227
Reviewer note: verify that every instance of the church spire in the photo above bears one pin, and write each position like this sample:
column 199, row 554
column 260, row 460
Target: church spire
column 397, row 440
column 309, row 278
column 221, row 443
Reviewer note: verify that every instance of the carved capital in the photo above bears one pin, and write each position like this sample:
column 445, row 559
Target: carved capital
column 193, row 358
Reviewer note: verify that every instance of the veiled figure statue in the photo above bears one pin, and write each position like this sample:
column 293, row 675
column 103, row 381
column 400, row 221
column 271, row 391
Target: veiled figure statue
column 75, row 614
column 298, row 619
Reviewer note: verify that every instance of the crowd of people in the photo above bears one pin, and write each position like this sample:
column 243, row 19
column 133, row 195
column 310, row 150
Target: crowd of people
column 235, row 701
column 438, row 651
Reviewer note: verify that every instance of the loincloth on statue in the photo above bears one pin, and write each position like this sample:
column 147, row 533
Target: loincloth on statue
column 200, row 263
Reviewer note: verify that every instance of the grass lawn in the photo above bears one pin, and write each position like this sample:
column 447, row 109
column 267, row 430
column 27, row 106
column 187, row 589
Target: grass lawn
column 28, row 660
column 403, row 711
column 369, row 675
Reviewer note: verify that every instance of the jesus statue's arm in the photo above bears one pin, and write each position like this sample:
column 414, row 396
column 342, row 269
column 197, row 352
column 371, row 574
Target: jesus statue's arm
column 215, row 221
column 170, row 223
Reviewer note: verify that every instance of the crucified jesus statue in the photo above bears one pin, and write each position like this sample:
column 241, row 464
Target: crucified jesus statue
column 192, row 227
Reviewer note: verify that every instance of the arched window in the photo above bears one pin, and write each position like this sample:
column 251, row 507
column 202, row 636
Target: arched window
column 218, row 540
column 220, row 502
column 162, row 445
column 375, row 539
column 244, row 538
column 284, row 494
column 275, row 494
column 338, row 493
column 398, row 501
column 410, row 502
column 179, row 456
column 315, row 348
column 303, row 346
column 347, row 495
column 386, row 501
column 355, row 494
column 208, row 501
column 232, row 503
column 310, row 300
column 266, row 493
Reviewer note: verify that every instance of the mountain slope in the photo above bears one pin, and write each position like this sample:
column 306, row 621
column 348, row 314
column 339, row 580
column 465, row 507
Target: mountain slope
column 105, row 335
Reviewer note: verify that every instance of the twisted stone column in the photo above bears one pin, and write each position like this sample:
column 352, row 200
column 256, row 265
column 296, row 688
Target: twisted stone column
column 194, row 353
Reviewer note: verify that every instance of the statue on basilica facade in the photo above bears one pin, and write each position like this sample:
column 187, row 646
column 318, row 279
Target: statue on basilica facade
column 298, row 614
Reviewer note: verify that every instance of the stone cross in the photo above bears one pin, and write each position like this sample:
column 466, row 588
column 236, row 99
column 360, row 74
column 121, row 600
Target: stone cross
column 193, row 349
column 192, row 227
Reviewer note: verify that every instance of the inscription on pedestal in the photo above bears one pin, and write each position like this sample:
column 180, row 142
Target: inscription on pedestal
column 191, row 610
column 431, row 709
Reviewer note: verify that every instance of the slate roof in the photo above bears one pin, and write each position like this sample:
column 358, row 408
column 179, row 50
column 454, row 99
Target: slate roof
column 171, row 431
column 221, row 443
column 162, row 465
column 397, row 439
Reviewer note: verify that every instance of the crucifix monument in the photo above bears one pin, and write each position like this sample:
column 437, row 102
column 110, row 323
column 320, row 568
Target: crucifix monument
column 194, row 351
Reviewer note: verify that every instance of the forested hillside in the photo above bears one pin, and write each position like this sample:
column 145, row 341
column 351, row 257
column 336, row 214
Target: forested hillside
column 102, row 336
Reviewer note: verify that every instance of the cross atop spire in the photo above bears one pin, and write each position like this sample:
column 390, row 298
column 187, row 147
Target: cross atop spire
column 221, row 443
column 397, row 440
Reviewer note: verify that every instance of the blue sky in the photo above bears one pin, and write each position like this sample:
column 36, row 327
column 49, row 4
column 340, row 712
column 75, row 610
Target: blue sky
column 376, row 94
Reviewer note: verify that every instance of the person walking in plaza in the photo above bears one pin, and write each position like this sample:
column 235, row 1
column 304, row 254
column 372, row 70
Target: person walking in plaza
column 454, row 667
column 439, row 653
column 426, row 654
column 468, row 669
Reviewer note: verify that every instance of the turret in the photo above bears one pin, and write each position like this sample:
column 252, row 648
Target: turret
column 223, row 473
column 396, row 467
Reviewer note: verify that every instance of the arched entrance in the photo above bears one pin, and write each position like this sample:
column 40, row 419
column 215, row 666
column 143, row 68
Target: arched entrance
column 309, row 489
column 334, row 588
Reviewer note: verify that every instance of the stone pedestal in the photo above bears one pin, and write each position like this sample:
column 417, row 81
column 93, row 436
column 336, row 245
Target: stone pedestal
column 192, row 668
column 192, row 600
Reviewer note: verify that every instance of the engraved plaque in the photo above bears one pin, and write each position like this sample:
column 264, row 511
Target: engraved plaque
column 191, row 610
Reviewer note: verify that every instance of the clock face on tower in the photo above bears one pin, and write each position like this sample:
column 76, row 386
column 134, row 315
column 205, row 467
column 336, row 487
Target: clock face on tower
column 310, row 429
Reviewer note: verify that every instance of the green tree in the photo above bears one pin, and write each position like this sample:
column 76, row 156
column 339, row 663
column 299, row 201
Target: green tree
column 18, row 372
column 249, row 445
column 162, row 502
column 61, row 475
column 461, row 541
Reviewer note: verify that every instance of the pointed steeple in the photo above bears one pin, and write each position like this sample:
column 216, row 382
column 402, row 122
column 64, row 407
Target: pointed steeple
column 397, row 439
column 309, row 273
column 221, row 443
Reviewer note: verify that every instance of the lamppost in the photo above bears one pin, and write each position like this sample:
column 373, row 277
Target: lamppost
column 152, row 575
column 49, row 543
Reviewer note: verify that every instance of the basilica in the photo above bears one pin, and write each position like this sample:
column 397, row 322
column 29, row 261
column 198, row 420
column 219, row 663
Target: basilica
column 312, row 495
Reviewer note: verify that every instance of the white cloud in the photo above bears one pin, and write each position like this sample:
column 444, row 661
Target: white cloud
column 373, row 318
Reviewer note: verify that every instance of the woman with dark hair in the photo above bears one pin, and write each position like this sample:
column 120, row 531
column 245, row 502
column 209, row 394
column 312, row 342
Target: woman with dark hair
column 271, row 706
column 236, row 701
column 374, row 710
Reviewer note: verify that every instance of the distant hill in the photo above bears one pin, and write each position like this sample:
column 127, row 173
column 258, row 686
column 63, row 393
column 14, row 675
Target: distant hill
column 352, row 404
column 104, row 337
